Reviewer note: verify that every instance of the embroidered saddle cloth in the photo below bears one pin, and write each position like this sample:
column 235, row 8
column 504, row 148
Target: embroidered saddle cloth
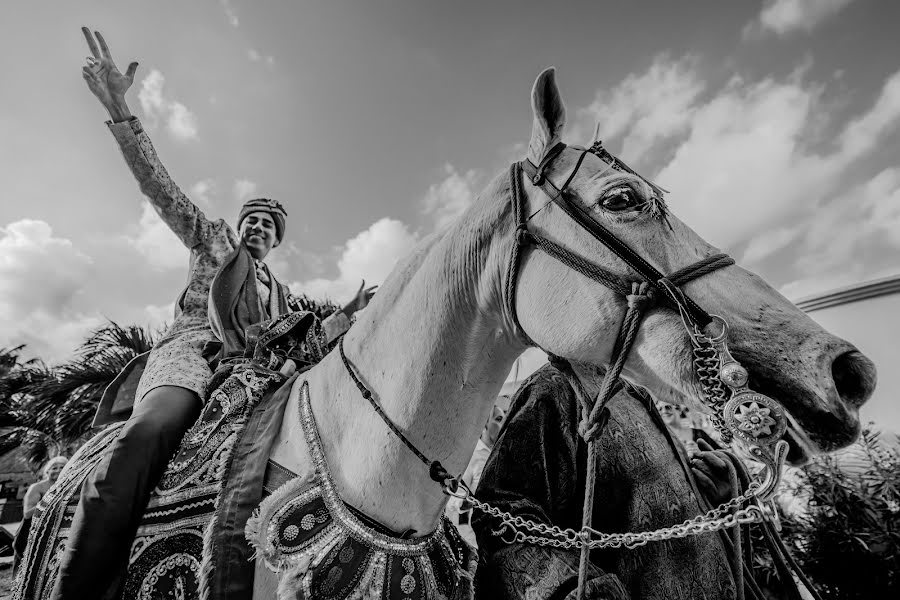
column 322, row 549
column 191, row 543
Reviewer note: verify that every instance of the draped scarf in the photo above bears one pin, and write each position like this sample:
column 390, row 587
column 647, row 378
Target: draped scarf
column 235, row 305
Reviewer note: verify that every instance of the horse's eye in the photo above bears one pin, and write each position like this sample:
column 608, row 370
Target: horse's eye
column 620, row 199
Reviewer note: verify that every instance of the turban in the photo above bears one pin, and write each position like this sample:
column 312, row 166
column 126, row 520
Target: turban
column 273, row 207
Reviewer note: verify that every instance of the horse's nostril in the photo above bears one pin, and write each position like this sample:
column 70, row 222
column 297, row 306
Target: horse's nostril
column 854, row 377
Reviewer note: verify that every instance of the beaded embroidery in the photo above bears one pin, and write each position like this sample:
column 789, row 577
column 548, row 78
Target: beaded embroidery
column 306, row 528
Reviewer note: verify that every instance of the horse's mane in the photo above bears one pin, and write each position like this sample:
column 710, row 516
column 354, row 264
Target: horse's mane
column 467, row 237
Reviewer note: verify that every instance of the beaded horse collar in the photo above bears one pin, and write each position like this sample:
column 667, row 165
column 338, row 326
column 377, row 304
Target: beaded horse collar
column 306, row 529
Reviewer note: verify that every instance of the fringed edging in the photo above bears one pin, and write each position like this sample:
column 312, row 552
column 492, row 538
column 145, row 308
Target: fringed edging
column 206, row 564
column 257, row 525
column 291, row 582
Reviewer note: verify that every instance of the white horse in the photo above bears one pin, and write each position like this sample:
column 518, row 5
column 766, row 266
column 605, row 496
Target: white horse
column 434, row 347
column 437, row 341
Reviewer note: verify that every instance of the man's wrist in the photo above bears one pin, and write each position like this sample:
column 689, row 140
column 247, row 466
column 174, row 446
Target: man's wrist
column 118, row 110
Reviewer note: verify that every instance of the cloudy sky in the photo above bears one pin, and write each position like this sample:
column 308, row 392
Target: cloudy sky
column 774, row 124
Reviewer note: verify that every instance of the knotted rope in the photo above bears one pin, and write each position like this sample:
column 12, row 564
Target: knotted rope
column 594, row 413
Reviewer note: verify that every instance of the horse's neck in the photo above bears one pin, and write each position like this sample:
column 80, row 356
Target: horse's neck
column 434, row 347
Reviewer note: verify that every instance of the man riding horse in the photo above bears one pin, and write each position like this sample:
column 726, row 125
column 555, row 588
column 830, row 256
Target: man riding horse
column 229, row 290
column 552, row 253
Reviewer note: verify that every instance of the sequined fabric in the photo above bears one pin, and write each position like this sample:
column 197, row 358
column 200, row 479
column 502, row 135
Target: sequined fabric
column 168, row 551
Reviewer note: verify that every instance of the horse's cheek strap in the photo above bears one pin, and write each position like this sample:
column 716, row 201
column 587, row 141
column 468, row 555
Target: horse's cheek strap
column 522, row 239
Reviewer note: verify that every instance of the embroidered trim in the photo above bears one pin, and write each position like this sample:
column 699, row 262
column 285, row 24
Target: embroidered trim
column 337, row 507
column 307, row 533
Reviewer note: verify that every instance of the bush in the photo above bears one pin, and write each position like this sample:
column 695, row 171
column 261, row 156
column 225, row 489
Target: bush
column 847, row 539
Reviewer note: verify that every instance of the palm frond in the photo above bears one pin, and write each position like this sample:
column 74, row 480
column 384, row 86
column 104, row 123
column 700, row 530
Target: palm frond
column 114, row 338
column 56, row 406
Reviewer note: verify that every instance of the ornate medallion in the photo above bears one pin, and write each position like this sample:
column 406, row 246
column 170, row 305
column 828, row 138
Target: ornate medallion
column 754, row 418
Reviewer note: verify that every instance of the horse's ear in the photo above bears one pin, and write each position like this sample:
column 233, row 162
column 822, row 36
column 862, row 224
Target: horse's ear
column 549, row 115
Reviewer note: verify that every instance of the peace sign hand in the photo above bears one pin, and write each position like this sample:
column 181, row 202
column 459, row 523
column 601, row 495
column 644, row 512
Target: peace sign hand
column 104, row 78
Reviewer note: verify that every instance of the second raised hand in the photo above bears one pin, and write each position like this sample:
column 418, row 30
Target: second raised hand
column 104, row 78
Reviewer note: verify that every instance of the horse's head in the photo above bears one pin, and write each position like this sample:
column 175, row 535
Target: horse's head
column 820, row 379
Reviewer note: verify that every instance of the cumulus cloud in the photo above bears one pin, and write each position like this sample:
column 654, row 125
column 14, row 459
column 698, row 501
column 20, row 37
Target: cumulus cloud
column 370, row 255
column 179, row 121
column 156, row 242
column 200, row 191
column 765, row 168
column 855, row 236
column 288, row 258
column 159, row 316
column 41, row 278
column 230, row 13
column 745, row 166
column 446, row 200
column 244, row 189
column 255, row 56
column 644, row 108
column 783, row 17
column 768, row 243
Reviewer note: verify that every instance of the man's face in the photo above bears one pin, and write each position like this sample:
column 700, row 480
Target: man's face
column 670, row 413
column 259, row 234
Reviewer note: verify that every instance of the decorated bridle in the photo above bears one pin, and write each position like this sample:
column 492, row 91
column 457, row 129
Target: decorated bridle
column 739, row 412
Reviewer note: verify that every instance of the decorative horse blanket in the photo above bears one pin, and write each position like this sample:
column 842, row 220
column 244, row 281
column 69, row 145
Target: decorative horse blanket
column 191, row 540
column 197, row 510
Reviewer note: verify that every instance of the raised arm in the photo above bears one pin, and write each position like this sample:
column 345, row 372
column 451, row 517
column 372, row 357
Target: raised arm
column 109, row 85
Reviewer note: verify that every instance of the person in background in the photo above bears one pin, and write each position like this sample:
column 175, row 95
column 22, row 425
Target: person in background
column 677, row 419
column 36, row 491
column 483, row 447
column 537, row 471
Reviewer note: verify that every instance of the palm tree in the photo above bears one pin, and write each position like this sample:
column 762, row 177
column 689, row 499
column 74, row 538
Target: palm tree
column 16, row 425
column 847, row 538
column 10, row 358
column 51, row 411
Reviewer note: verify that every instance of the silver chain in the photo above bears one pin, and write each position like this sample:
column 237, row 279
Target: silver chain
column 715, row 393
column 542, row 534
column 726, row 515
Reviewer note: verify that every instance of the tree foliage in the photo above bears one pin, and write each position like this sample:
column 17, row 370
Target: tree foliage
column 48, row 411
column 847, row 537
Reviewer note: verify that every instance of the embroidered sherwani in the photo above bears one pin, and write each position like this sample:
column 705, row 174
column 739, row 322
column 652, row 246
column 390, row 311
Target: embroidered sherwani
column 537, row 470
column 177, row 358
